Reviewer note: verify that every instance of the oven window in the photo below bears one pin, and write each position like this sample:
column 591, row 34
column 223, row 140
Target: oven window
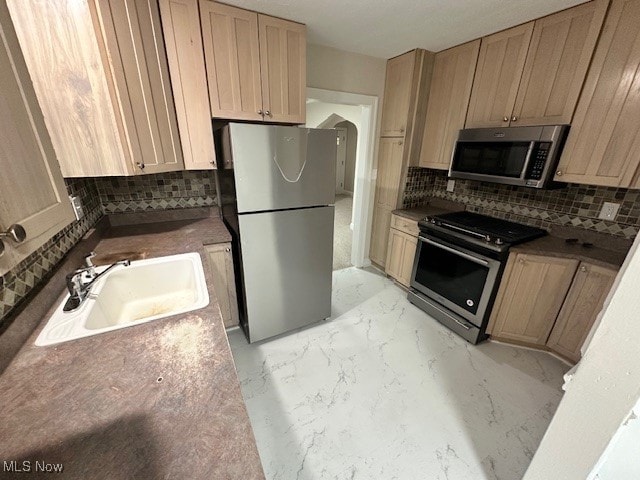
column 504, row 159
column 451, row 276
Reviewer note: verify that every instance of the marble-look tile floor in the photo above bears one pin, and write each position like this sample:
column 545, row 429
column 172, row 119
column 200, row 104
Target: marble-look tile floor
column 382, row 391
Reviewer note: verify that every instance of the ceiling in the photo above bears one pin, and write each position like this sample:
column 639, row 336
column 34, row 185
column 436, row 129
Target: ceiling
column 386, row 28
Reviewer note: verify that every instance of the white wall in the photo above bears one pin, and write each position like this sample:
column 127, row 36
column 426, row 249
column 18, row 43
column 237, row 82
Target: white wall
column 602, row 393
column 622, row 461
column 318, row 112
column 332, row 69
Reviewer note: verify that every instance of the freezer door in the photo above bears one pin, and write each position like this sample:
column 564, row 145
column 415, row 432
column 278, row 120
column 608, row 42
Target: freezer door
column 287, row 266
column 280, row 167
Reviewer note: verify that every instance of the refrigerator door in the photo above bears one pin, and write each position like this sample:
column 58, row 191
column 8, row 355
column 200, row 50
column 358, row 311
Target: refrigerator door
column 287, row 266
column 278, row 167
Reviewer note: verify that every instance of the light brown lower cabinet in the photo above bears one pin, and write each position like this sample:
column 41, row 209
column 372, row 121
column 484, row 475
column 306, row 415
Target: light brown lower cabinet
column 401, row 249
column 224, row 284
column 549, row 302
column 584, row 301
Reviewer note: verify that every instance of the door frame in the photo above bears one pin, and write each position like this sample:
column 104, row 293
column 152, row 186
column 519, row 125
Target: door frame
column 364, row 181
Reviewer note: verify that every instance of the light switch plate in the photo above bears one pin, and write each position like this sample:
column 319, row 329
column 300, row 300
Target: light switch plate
column 451, row 184
column 609, row 211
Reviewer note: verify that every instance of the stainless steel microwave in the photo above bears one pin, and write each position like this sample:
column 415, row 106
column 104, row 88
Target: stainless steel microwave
column 524, row 156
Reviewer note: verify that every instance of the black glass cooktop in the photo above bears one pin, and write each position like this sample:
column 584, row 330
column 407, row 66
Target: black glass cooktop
column 508, row 232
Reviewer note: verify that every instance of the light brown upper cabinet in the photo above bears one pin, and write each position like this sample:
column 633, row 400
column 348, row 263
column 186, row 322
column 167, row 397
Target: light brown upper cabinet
column 584, row 302
column 183, row 39
column 533, row 74
column 102, row 83
column 603, row 147
column 453, row 72
column 397, row 95
column 256, row 64
column 498, row 73
column 33, row 191
column 530, row 296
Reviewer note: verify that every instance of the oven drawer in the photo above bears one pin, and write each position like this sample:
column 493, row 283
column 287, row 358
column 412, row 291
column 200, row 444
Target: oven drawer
column 405, row 225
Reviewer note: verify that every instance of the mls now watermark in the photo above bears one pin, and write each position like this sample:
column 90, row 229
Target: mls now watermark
column 28, row 466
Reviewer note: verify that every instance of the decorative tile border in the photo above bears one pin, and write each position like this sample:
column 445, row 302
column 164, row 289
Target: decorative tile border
column 574, row 205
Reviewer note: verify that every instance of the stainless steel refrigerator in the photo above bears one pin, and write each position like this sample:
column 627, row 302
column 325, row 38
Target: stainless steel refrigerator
column 277, row 190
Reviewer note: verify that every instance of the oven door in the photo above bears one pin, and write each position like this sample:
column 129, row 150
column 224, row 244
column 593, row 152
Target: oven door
column 457, row 278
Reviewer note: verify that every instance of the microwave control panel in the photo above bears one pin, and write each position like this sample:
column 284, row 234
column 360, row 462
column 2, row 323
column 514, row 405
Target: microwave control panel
column 538, row 160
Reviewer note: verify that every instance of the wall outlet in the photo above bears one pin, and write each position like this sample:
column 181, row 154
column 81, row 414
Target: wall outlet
column 451, row 184
column 77, row 207
column 609, row 211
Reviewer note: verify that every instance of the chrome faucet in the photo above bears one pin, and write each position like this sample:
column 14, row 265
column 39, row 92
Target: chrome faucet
column 80, row 281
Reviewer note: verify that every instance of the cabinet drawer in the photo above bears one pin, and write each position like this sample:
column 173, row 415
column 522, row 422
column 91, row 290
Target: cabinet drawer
column 405, row 225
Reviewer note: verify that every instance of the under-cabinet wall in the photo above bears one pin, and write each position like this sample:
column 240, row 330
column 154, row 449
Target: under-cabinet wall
column 574, row 205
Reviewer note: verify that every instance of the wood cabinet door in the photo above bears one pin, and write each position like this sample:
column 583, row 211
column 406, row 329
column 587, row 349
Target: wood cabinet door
column 584, row 302
column 379, row 234
column 283, row 67
column 603, row 146
column 133, row 36
column 222, row 273
column 532, row 291
column 389, row 171
column 231, row 51
column 449, row 95
column 500, row 64
column 81, row 116
column 33, row 192
column 183, row 39
column 401, row 250
column 397, row 95
column 561, row 48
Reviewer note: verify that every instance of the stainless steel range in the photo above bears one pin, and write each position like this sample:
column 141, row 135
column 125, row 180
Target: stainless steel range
column 457, row 268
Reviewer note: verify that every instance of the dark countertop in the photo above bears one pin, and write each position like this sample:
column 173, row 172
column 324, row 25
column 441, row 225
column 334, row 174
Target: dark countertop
column 157, row 400
column 436, row 206
column 556, row 246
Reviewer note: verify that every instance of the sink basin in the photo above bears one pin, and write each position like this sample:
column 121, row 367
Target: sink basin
column 146, row 290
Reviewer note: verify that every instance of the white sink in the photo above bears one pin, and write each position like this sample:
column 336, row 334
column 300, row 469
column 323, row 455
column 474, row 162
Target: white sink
column 144, row 291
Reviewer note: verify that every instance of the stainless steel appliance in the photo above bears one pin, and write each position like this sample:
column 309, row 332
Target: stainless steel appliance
column 525, row 156
column 458, row 265
column 277, row 195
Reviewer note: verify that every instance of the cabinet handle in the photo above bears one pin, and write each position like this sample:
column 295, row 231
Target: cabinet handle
column 16, row 233
column 227, row 249
column 514, row 119
column 559, row 173
column 402, row 130
column 521, row 260
column 267, row 113
column 260, row 112
column 583, row 268
column 140, row 165
column 505, row 119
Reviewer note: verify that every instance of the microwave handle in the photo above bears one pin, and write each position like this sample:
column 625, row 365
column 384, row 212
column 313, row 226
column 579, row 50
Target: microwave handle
column 527, row 159
column 455, row 252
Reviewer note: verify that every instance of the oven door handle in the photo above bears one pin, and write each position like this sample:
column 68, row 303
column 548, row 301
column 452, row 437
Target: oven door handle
column 456, row 252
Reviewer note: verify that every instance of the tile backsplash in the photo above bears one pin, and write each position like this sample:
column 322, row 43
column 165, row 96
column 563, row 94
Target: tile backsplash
column 162, row 191
column 99, row 196
column 574, row 205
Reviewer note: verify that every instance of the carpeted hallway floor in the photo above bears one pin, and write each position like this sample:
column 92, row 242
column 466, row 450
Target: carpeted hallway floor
column 342, row 234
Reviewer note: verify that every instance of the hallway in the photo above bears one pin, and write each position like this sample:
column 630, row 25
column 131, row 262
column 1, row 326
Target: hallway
column 342, row 234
